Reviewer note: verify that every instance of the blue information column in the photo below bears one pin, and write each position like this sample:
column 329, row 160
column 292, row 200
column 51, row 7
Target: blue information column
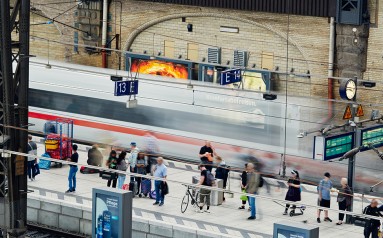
column 126, row 88
column 111, row 213
column 231, row 76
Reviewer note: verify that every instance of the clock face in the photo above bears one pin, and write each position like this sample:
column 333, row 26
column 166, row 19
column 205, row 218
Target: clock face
column 350, row 89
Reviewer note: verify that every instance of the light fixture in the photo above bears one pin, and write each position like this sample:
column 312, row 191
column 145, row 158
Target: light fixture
column 203, row 59
column 159, row 53
column 369, row 84
column 292, row 70
column 190, row 27
column 276, row 68
column 228, row 62
column 152, row 57
column 115, row 78
column 145, row 52
column 180, row 56
column 254, row 65
column 269, row 96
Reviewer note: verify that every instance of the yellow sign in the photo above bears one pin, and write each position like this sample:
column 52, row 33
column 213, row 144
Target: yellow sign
column 20, row 165
column 347, row 113
column 360, row 111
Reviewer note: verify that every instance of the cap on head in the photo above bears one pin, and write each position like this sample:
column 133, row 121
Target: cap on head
column 133, row 144
column 327, row 174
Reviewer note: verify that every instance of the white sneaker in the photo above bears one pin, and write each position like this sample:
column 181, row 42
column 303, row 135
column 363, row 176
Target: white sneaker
column 31, row 180
column 207, row 211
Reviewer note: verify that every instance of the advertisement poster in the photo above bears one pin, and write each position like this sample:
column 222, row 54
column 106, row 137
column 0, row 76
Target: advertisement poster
column 254, row 81
column 161, row 68
column 289, row 234
column 107, row 220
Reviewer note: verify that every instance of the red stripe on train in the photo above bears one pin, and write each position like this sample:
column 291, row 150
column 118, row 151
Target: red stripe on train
column 121, row 129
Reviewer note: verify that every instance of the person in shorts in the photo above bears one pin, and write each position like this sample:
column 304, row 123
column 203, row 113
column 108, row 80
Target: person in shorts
column 324, row 196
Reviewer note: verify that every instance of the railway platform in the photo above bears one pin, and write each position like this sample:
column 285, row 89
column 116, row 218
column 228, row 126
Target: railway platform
column 223, row 221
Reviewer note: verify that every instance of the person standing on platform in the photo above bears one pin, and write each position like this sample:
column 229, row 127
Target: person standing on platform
column 122, row 166
column 324, row 198
column 294, row 192
column 222, row 172
column 141, row 169
column 206, row 154
column 160, row 171
column 343, row 199
column 371, row 226
column 95, row 157
column 243, row 186
column 111, row 163
column 253, row 180
column 206, row 179
column 133, row 159
column 73, row 170
column 32, row 150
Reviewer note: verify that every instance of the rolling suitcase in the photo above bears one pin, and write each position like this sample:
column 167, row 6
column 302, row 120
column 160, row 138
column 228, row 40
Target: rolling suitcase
column 146, row 186
column 133, row 187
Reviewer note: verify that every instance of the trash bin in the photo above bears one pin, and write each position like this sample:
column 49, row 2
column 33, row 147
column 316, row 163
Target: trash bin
column 216, row 197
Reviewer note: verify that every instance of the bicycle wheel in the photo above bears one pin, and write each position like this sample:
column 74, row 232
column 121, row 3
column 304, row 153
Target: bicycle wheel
column 184, row 203
column 198, row 200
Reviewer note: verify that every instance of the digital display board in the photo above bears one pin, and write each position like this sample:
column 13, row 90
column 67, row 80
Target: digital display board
column 282, row 233
column 372, row 135
column 331, row 147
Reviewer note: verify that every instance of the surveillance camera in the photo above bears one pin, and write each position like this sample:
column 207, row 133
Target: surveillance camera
column 351, row 123
column 300, row 135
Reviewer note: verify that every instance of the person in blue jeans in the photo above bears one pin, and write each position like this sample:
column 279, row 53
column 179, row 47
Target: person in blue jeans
column 324, row 196
column 160, row 171
column 253, row 180
column 73, row 170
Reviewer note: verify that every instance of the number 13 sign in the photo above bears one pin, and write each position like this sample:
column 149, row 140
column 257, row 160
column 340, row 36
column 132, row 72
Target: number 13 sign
column 126, row 88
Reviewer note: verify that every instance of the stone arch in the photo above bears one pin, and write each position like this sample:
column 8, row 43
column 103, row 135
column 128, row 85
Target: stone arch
column 151, row 23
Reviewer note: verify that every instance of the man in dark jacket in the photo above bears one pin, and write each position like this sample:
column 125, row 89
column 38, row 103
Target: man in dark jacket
column 372, row 225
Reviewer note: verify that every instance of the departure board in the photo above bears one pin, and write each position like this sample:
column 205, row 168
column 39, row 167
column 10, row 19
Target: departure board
column 372, row 135
column 336, row 146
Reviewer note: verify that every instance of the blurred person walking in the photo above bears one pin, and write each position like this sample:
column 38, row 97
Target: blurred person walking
column 343, row 199
column 95, row 157
column 371, row 226
column 206, row 154
column 243, row 186
column 32, row 161
column 160, row 171
column 73, row 170
column 152, row 150
column 294, row 192
column 324, row 196
column 222, row 172
column 253, row 181
column 133, row 159
column 122, row 166
column 111, row 163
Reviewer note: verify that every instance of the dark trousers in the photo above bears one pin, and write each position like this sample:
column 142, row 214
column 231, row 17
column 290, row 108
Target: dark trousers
column 370, row 230
column 31, row 169
column 138, row 179
column 288, row 206
column 342, row 207
column 114, row 182
column 133, row 170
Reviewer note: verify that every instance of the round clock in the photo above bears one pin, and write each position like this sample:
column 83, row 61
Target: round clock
column 347, row 89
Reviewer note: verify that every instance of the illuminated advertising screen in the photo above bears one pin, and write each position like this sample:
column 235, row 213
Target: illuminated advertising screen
column 254, row 81
column 159, row 67
column 107, row 215
column 372, row 135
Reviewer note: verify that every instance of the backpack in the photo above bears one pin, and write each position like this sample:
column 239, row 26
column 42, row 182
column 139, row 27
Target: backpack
column 210, row 180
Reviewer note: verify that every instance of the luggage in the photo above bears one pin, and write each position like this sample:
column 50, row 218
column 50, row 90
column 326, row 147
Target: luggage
column 85, row 170
column 152, row 194
column 133, row 187
column 146, row 186
column 125, row 187
column 45, row 164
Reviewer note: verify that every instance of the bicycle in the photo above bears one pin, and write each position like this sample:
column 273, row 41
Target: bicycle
column 194, row 195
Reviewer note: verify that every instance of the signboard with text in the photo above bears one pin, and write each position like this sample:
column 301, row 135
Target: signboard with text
column 126, row 88
column 331, row 147
column 371, row 135
column 231, row 76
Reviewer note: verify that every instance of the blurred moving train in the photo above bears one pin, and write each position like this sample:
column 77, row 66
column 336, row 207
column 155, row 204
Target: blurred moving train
column 237, row 122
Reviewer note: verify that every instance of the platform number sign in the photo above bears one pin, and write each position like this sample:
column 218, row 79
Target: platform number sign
column 126, row 88
column 231, row 76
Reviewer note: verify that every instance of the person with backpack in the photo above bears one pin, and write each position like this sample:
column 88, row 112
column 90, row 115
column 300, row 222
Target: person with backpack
column 253, row 183
column 294, row 191
column 122, row 166
column 206, row 179
column 343, row 199
column 111, row 163
column 324, row 196
column 222, row 172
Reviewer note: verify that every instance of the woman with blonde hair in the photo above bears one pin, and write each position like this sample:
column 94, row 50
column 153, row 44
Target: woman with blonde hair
column 343, row 199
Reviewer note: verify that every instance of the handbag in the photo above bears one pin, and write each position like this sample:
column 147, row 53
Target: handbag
column 243, row 197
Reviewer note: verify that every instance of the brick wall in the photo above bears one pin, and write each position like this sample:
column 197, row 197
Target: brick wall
column 258, row 32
